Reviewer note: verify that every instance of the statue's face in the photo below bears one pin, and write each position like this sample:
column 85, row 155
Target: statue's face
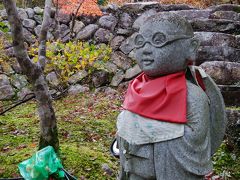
column 160, row 49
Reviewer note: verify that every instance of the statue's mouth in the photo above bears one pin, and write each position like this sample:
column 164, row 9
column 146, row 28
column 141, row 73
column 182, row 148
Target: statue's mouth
column 147, row 62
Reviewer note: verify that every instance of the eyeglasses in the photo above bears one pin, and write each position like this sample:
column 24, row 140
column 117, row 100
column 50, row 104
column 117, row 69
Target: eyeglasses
column 157, row 40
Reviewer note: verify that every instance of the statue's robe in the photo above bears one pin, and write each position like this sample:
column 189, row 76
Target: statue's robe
column 186, row 157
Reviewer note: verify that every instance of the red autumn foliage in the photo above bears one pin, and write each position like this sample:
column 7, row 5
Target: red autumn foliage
column 79, row 7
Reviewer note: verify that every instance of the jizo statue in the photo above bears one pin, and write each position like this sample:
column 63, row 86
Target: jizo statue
column 174, row 116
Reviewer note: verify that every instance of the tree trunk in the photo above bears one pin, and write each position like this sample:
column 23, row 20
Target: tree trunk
column 48, row 126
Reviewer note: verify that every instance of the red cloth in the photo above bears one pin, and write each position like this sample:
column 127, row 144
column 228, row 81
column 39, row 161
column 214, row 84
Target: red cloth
column 163, row 98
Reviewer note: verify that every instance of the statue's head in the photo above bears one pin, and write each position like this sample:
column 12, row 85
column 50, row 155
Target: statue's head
column 165, row 44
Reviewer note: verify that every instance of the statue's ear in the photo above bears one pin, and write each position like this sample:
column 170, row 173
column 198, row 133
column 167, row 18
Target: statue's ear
column 193, row 47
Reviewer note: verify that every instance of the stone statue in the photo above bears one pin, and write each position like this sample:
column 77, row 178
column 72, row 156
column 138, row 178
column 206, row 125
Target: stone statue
column 174, row 116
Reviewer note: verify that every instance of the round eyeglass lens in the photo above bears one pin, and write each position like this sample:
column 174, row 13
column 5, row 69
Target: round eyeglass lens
column 139, row 40
column 158, row 38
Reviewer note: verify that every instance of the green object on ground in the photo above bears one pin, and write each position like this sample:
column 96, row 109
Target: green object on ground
column 42, row 164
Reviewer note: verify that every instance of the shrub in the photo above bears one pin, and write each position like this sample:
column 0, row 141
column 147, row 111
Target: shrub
column 3, row 27
column 68, row 58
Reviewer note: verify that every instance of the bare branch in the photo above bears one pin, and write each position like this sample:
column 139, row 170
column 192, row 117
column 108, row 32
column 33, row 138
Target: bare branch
column 43, row 34
column 74, row 18
column 57, row 30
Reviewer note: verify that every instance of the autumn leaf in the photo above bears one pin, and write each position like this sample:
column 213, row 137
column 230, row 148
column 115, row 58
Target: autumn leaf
column 79, row 7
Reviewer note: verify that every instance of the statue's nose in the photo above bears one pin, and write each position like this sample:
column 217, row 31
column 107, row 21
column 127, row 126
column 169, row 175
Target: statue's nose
column 147, row 48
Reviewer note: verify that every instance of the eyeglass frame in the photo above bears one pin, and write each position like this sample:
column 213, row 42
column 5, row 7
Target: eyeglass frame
column 169, row 39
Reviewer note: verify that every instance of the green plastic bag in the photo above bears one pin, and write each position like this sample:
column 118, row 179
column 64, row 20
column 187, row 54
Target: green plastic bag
column 42, row 164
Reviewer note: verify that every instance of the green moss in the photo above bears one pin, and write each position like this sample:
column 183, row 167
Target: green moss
column 236, row 9
column 86, row 126
column 234, row 108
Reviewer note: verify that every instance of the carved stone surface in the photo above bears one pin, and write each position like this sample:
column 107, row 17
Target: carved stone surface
column 164, row 45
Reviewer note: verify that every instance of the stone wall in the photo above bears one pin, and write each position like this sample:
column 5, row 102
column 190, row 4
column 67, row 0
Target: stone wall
column 217, row 27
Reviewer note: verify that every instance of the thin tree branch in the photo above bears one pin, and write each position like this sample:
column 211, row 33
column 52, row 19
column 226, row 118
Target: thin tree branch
column 17, row 104
column 74, row 18
column 57, row 31
column 43, row 34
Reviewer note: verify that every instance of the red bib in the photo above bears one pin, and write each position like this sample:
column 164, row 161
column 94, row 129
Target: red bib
column 163, row 98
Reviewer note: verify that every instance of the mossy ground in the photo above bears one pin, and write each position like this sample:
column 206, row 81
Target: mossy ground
column 86, row 127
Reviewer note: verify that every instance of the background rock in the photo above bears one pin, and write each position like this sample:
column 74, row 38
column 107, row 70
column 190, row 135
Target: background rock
column 100, row 78
column 233, row 127
column 77, row 89
column 87, row 32
column 53, row 79
column 6, row 92
column 78, row 77
column 103, row 36
column 108, row 22
column 121, row 60
column 132, row 72
column 141, row 19
column 223, row 72
column 117, row 78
